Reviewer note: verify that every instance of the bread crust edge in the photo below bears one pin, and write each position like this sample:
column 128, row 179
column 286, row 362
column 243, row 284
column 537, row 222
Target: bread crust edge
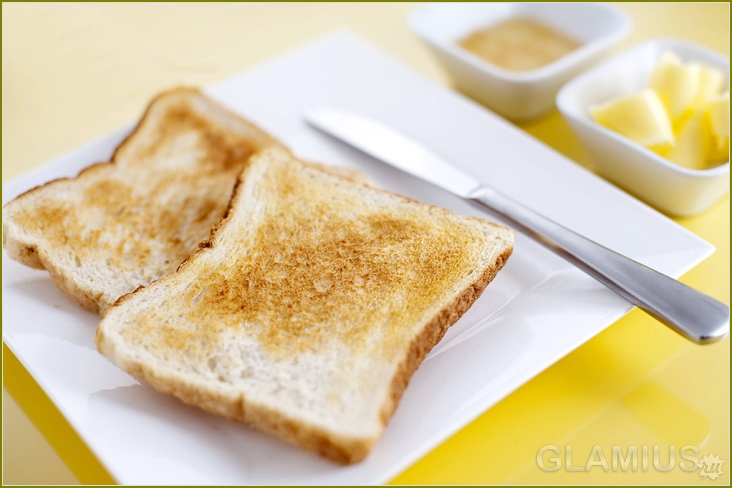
column 341, row 449
column 433, row 332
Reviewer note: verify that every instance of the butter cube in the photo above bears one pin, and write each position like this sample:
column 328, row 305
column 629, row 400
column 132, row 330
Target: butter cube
column 676, row 83
column 693, row 142
column 640, row 117
column 710, row 84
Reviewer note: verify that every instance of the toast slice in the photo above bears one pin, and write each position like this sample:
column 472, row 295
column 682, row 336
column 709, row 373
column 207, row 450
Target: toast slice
column 309, row 309
column 122, row 224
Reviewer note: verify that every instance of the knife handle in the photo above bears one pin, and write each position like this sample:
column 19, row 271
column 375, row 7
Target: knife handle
column 696, row 316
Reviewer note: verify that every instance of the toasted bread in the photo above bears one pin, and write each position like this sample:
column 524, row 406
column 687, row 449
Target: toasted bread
column 122, row 224
column 310, row 308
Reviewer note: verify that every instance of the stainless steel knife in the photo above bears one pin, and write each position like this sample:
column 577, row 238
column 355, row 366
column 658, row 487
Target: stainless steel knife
column 696, row 316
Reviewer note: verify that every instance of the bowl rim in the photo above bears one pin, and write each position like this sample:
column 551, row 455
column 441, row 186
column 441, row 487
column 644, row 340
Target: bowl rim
column 585, row 51
column 581, row 80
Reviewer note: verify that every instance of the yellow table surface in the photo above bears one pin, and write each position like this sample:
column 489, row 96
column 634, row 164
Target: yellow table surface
column 73, row 72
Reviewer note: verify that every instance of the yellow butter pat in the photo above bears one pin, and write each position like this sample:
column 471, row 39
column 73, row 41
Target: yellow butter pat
column 710, row 84
column 640, row 117
column 676, row 83
column 693, row 142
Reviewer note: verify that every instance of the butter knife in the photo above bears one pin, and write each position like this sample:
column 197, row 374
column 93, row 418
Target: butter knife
column 696, row 316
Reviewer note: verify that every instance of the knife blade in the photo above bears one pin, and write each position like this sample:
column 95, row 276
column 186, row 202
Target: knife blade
column 695, row 315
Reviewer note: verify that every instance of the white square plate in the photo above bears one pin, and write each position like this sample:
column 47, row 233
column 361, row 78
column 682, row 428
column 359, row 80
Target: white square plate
column 537, row 310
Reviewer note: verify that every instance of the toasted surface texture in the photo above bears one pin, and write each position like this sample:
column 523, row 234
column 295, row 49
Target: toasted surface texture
column 120, row 225
column 309, row 309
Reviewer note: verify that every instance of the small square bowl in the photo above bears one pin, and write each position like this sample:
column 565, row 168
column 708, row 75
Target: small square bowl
column 673, row 189
column 517, row 95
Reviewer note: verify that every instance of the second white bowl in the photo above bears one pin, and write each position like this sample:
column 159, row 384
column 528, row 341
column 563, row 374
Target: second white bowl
column 670, row 188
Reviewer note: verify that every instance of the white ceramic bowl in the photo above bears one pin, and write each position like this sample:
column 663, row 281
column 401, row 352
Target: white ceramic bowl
column 668, row 187
column 517, row 95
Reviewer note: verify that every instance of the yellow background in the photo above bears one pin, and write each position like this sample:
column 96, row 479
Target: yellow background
column 73, row 72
